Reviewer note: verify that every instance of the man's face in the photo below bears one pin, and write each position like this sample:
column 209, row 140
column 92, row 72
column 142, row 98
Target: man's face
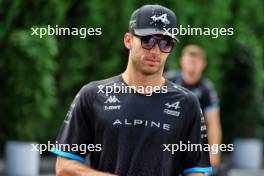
column 192, row 64
column 146, row 61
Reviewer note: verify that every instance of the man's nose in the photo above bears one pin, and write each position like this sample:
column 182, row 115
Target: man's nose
column 155, row 49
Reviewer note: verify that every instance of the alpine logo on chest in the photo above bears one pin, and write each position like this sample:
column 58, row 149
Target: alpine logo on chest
column 172, row 109
column 125, row 122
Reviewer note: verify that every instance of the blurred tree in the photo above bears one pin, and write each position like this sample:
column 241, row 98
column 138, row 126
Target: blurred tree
column 40, row 77
column 27, row 69
column 239, row 94
column 243, row 73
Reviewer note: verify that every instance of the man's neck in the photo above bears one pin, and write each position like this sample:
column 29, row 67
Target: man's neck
column 139, row 79
column 190, row 79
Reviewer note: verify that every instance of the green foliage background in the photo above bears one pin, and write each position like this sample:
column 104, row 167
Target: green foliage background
column 39, row 77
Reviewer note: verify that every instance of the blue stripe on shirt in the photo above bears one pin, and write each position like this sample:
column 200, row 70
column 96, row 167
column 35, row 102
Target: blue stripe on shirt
column 68, row 155
column 211, row 106
column 198, row 169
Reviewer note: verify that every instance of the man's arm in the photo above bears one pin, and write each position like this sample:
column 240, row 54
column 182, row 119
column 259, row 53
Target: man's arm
column 195, row 174
column 69, row 167
column 195, row 162
column 214, row 131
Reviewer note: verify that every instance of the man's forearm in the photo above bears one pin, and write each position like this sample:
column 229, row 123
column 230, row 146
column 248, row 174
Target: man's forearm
column 214, row 129
column 68, row 167
column 214, row 139
column 214, row 132
column 196, row 174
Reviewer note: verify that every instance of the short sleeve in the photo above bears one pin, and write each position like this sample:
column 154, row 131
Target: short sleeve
column 212, row 100
column 76, row 131
column 196, row 159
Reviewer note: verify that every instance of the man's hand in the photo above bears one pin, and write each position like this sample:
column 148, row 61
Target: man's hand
column 195, row 174
column 68, row 167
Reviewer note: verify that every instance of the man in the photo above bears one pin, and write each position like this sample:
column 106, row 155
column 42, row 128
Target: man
column 133, row 128
column 193, row 63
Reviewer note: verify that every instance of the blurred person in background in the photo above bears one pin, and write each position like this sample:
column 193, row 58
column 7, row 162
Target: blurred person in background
column 193, row 62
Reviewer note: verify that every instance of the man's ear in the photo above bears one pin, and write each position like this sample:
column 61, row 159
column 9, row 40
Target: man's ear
column 128, row 40
column 181, row 61
column 204, row 63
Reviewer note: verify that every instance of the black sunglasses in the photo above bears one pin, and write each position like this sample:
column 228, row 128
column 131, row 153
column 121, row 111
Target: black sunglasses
column 148, row 42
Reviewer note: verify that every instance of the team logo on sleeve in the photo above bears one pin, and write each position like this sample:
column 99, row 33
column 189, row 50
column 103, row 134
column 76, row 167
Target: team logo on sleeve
column 172, row 109
column 115, row 103
column 203, row 126
column 69, row 113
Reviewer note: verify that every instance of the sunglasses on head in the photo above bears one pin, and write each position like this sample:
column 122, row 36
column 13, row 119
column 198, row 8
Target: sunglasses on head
column 165, row 43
